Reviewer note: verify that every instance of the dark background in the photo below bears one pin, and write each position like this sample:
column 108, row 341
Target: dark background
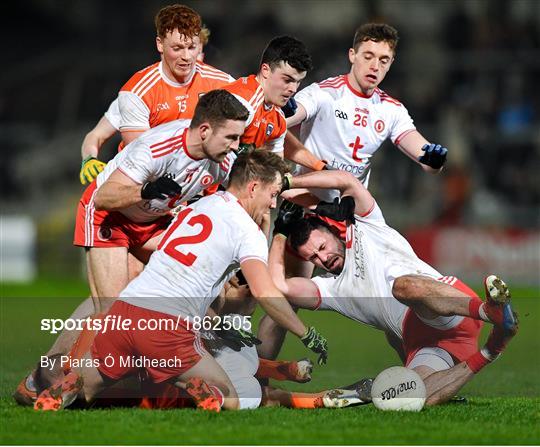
column 467, row 71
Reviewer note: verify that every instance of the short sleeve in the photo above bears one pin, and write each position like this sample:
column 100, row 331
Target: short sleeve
column 374, row 215
column 137, row 162
column 310, row 98
column 403, row 123
column 113, row 114
column 253, row 246
column 134, row 113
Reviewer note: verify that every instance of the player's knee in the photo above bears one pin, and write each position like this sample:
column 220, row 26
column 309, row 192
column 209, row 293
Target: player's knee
column 231, row 403
column 406, row 288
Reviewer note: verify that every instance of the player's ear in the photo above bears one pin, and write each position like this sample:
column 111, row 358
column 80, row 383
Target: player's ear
column 265, row 70
column 204, row 130
column 252, row 188
column 159, row 45
column 352, row 55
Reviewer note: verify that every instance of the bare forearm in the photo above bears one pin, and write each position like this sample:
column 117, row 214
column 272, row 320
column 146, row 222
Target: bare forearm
column 298, row 153
column 279, row 309
column 340, row 180
column 113, row 196
column 276, row 263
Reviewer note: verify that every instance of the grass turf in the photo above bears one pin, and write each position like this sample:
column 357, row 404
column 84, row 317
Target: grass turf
column 503, row 408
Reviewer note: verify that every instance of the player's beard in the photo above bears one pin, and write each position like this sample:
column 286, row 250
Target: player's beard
column 335, row 263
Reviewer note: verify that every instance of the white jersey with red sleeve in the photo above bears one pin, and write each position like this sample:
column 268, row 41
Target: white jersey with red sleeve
column 376, row 255
column 201, row 249
column 345, row 127
column 163, row 151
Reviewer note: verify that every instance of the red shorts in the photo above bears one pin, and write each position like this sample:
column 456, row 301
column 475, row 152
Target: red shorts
column 460, row 342
column 180, row 348
column 110, row 228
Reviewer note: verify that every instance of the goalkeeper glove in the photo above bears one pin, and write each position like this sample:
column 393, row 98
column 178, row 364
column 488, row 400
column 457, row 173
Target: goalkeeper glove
column 236, row 339
column 316, row 343
column 90, row 169
column 337, row 210
column 289, row 213
column 434, row 155
column 161, row 188
column 289, row 109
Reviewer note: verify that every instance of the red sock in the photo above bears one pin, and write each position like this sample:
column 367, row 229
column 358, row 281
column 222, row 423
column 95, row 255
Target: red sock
column 277, row 370
column 477, row 361
column 474, row 307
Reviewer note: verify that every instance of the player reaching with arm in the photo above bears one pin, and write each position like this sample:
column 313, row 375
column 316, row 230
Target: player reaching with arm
column 345, row 119
column 284, row 63
column 109, row 124
column 378, row 280
column 196, row 256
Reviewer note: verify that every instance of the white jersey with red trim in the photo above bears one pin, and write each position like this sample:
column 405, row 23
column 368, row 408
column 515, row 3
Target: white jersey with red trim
column 345, row 127
column 375, row 256
column 200, row 251
column 161, row 151
column 113, row 114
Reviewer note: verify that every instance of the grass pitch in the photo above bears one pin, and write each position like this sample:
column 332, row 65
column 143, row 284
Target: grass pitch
column 503, row 408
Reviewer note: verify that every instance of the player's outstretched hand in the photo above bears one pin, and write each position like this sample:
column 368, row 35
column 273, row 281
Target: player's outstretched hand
column 339, row 210
column 313, row 340
column 90, row 169
column 161, row 188
column 434, row 155
column 236, row 339
column 288, row 214
column 289, row 109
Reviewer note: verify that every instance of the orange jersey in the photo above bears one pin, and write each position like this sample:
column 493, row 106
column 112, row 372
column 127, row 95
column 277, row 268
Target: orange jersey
column 149, row 99
column 266, row 125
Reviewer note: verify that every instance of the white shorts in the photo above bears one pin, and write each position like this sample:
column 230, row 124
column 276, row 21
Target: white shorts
column 435, row 358
column 241, row 368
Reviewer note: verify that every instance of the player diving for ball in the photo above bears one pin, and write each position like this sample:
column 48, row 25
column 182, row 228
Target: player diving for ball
column 373, row 279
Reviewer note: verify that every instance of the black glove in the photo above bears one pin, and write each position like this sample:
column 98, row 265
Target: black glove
column 161, row 188
column 236, row 339
column 316, row 343
column 337, row 210
column 289, row 109
column 288, row 214
column 434, row 155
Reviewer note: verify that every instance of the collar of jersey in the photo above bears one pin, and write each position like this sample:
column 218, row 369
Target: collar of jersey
column 174, row 83
column 356, row 92
column 184, row 146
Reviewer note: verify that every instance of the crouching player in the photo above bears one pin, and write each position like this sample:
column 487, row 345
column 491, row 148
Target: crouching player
column 376, row 278
column 199, row 252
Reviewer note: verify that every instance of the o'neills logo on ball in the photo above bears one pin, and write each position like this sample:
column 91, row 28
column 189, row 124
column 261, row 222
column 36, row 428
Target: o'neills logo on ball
column 379, row 125
column 395, row 391
column 104, row 233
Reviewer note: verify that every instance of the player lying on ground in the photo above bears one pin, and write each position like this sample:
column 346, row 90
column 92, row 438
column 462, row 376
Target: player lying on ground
column 236, row 354
column 373, row 281
column 198, row 253
column 345, row 119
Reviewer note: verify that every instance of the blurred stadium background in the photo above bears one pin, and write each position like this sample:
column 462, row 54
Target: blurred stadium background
column 467, row 71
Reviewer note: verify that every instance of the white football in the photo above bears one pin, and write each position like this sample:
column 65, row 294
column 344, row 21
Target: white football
column 398, row 389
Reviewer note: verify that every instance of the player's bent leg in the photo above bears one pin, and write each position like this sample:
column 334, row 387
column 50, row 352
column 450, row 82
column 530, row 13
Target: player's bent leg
column 429, row 297
column 209, row 370
column 135, row 267
column 109, row 272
